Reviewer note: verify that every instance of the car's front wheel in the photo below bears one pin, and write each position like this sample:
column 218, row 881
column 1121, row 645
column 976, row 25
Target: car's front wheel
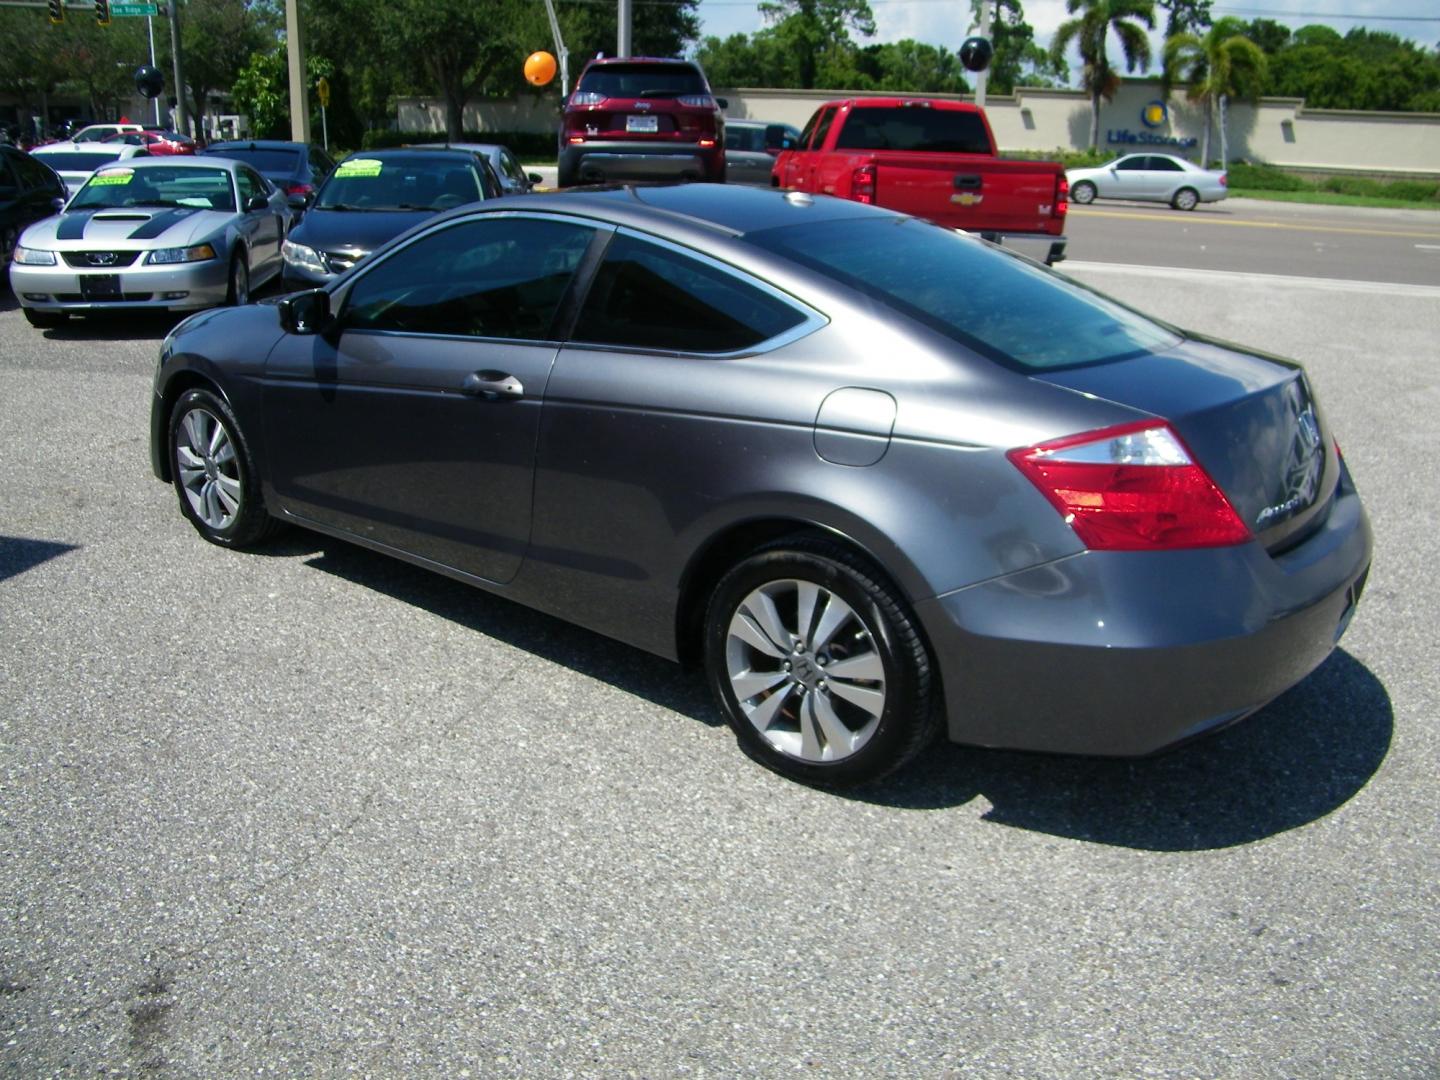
column 1185, row 199
column 214, row 472
column 1083, row 193
column 239, row 292
column 818, row 666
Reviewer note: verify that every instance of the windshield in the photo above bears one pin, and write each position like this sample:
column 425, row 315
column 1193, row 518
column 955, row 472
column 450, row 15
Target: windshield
column 642, row 80
column 414, row 182
column 122, row 185
column 1001, row 306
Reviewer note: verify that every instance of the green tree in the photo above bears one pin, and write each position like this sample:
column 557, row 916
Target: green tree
column 1090, row 32
column 217, row 39
column 1185, row 16
column 1019, row 59
column 100, row 61
column 818, row 30
column 31, row 69
column 911, row 67
column 1212, row 69
column 1270, row 35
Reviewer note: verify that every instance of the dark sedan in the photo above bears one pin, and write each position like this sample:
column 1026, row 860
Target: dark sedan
column 29, row 191
column 375, row 195
column 296, row 168
column 881, row 478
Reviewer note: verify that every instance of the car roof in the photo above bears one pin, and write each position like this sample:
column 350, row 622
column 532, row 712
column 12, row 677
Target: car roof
column 705, row 209
column 255, row 144
column 603, row 61
column 179, row 161
column 453, row 151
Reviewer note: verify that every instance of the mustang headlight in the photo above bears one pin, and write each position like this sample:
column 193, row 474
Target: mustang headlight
column 306, row 258
column 32, row 256
column 198, row 253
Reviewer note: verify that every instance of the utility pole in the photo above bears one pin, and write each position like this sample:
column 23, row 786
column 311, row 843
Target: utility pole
column 299, row 92
column 182, row 123
column 982, row 77
column 622, row 45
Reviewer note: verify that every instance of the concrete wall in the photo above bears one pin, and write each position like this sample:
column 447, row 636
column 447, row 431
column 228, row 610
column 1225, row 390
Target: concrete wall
column 1278, row 131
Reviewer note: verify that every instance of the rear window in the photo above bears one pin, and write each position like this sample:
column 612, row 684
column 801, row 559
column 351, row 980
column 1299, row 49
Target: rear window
column 78, row 161
column 1002, row 307
column 643, row 80
column 419, row 181
column 744, row 138
column 267, row 161
column 916, row 128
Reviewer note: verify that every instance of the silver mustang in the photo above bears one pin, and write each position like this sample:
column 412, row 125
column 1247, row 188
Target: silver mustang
column 154, row 234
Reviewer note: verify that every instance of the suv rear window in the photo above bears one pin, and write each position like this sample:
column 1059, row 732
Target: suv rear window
column 1001, row 306
column 916, row 128
column 643, row 80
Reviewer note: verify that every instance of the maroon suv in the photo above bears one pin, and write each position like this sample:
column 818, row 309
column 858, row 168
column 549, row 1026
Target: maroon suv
column 641, row 118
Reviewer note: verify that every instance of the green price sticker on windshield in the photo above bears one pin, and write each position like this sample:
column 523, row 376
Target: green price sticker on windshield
column 359, row 167
column 118, row 176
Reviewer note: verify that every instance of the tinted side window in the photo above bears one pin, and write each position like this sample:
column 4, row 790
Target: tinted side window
column 1164, row 164
column 823, row 128
column 1132, row 164
column 245, row 181
column 804, row 143
column 650, row 297
column 8, row 177
column 497, row 278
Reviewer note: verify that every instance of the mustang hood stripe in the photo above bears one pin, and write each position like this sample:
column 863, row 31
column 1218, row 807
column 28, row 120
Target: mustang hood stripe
column 72, row 226
column 161, row 222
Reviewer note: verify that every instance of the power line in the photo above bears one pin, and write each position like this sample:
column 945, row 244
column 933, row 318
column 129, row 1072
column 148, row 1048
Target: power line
column 1367, row 17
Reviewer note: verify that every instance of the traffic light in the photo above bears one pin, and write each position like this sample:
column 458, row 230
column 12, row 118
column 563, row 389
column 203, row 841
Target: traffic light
column 102, row 12
column 57, row 11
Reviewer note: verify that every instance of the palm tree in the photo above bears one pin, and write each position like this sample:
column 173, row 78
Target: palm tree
column 1213, row 68
column 1090, row 30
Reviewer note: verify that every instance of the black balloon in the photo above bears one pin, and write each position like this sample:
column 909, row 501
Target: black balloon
column 149, row 80
column 976, row 53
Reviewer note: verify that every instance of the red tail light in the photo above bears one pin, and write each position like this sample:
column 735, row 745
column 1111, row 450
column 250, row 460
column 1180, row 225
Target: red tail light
column 1134, row 487
column 298, row 189
column 1062, row 196
column 862, row 184
column 1224, row 180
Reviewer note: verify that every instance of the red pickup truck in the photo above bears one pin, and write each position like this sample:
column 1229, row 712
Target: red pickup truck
column 934, row 159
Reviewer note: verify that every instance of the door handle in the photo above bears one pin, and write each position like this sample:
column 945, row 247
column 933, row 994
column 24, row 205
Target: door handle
column 492, row 385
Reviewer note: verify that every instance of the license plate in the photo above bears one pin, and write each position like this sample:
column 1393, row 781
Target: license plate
column 100, row 286
column 642, row 123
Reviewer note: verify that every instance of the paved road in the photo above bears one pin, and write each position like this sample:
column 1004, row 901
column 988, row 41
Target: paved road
column 315, row 812
column 1252, row 235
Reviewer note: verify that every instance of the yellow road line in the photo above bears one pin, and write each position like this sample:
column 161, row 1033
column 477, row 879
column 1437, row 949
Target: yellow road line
column 1193, row 219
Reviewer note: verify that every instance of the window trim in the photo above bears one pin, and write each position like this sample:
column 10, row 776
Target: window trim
column 565, row 312
column 812, row 320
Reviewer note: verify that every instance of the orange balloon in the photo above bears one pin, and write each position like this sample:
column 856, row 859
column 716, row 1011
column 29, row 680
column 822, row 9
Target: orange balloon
column 539, row 68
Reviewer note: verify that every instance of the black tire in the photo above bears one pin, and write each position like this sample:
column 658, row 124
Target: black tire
column 238, row 293
column 8, row 239
column 566, row 176
column 44, row 320
column 1185, row 199
column 1083, row 193
column 215, row 477
column 801, row 707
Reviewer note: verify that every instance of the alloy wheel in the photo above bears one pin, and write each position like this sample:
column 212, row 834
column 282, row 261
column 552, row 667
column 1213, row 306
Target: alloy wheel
column 208, row 468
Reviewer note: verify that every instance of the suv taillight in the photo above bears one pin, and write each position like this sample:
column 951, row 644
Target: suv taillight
column 862, row 184
column 586, row 97
column 696, row 101
column 1134, row 487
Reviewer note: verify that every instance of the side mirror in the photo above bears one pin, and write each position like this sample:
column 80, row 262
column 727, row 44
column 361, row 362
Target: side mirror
column 534, row 178
column 256, row 202
column 724, row 103
column 300, row 202
column 306, row 312
column 58, row 203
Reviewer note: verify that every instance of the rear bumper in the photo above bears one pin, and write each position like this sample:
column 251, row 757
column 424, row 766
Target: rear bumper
column 1041, row 247
column 598, row 161
column 1127, row 653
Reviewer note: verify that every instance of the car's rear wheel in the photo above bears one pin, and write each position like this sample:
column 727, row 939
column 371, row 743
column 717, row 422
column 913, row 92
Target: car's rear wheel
column 239, row 292
column 1083, row 193
column 214, row 473
column 8, row 237
column 1185, row 199
column 818, row 665
column 44, row 320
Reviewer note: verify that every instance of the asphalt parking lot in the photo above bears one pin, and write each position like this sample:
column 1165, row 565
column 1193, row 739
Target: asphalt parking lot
column 313, row 812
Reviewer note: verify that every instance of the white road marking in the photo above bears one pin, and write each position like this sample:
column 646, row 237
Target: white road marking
column 1175, row 273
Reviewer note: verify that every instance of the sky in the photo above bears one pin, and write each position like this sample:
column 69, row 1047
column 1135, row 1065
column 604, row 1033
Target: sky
column 946, row 22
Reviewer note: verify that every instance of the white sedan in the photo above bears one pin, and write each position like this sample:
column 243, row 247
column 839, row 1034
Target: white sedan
column 1150, row 178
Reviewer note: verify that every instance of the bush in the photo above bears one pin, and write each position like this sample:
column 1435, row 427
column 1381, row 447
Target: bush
column 1264, row 178
column 524, row 144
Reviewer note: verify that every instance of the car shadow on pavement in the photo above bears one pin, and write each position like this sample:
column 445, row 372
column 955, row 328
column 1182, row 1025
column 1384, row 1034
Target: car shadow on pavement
column 1304, row 755
column 122, row 326
column 21, row 553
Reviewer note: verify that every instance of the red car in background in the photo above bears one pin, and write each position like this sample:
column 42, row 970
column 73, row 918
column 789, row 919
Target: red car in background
column 159, row 143
column 642, row 118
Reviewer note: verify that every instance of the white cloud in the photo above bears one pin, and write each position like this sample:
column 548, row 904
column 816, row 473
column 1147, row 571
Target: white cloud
column 946, row 22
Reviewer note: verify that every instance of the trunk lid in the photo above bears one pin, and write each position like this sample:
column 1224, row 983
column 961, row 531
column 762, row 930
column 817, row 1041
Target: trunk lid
column 972, row 192
column 1250, row 420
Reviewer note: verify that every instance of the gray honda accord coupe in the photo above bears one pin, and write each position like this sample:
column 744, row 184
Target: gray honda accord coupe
column 878, row 478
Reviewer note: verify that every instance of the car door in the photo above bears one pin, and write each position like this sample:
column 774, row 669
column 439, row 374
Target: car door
column 1166, row 177
column 264, row 228
column 411, row 423
column 1126, row 178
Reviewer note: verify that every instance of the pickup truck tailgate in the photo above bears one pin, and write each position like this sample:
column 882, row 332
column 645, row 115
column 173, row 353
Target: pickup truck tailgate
column 983, row 194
